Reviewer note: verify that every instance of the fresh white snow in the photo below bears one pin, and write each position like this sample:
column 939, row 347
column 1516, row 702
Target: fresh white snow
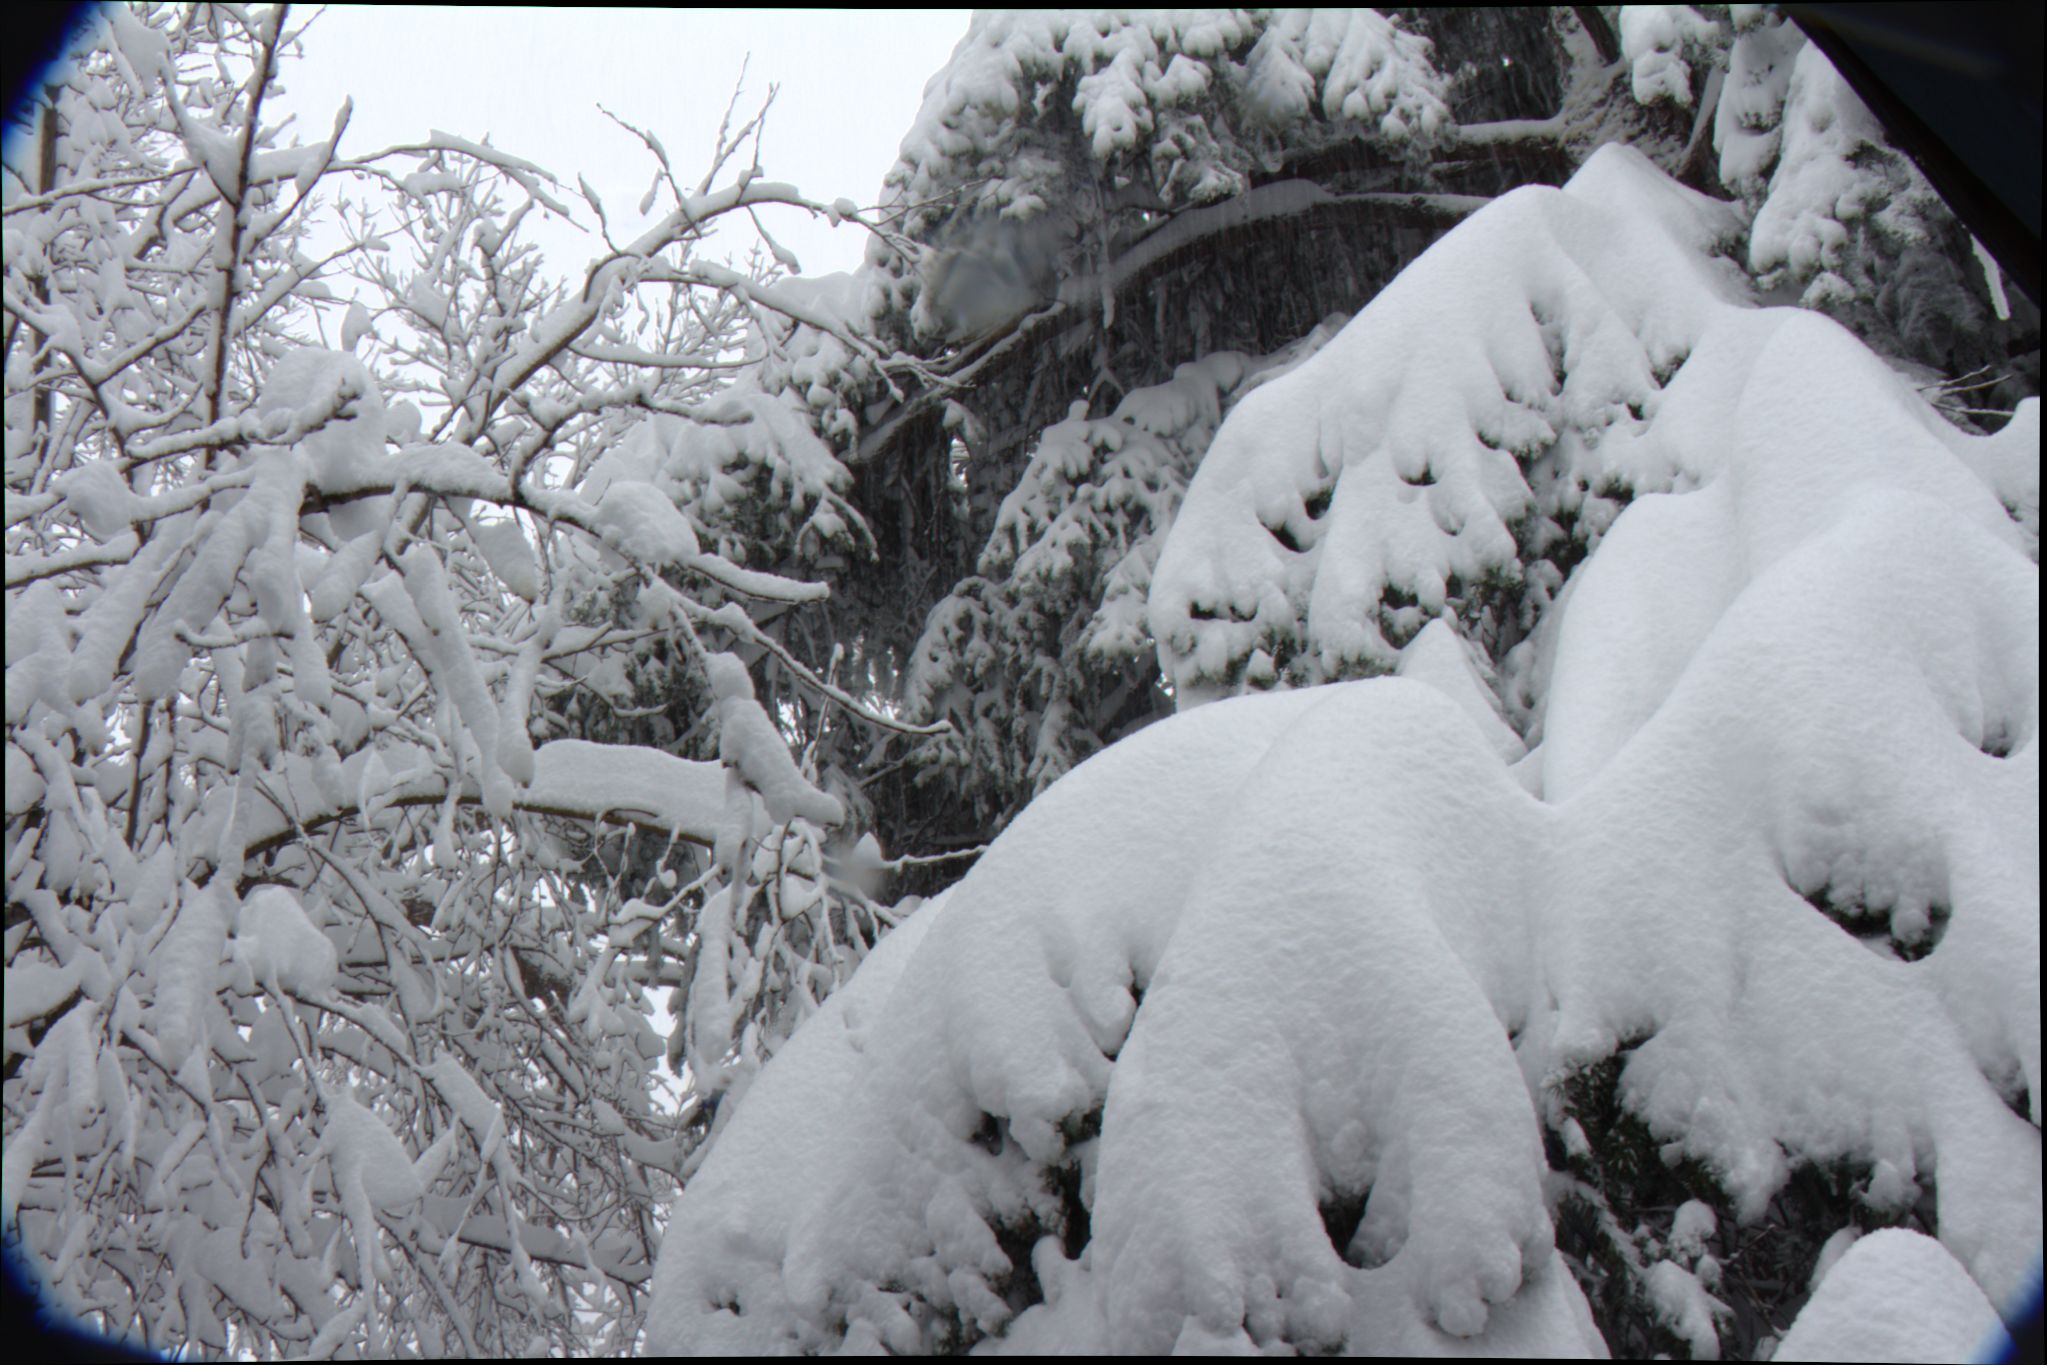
column 1896, row 1295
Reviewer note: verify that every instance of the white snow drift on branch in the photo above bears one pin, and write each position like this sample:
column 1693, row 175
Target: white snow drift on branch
column 571, row 777
column 1475, row 390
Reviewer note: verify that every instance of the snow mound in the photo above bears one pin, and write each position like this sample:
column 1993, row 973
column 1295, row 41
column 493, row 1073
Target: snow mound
column 1899, row 1296
column 1249, row 1032
column 1086, row 1037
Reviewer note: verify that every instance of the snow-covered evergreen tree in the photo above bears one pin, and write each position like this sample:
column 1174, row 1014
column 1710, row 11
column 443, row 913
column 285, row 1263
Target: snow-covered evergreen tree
column 1387, row 1017
column 1044, row 654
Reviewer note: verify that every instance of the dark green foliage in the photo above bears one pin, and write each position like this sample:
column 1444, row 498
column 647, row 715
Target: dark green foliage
column 1342, row 1211
column 1907, row 936
column 1615, row 1206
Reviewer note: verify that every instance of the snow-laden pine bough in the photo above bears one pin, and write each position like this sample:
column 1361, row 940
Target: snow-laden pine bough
column 1322, row 1020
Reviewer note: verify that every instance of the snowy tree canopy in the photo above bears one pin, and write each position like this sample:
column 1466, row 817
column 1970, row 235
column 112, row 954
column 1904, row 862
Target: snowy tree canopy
column 1284, row 1023
column 1175, row 109
column 1017, row 488
column 334, row 934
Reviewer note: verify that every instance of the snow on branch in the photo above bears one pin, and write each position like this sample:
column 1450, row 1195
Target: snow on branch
column 573, row 779
column 1431, row 483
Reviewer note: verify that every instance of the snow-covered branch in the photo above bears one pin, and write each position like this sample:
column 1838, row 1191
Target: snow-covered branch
column 336, row 901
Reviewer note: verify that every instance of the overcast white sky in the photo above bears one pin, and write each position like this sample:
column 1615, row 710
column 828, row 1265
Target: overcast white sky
column 531, row 78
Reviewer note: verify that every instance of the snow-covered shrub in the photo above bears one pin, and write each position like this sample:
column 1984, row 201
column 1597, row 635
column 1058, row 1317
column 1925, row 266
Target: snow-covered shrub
column 1331, row 1020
